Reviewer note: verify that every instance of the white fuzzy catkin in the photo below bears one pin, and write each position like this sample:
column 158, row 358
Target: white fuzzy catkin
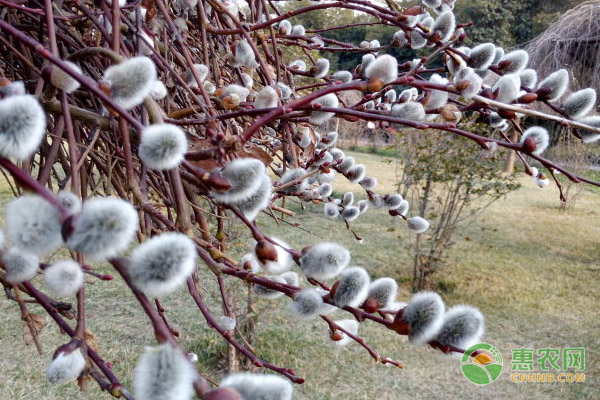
column 291, row 278
column 131, row 81
column 417, row 225
column 70, row 201
column 244, row 176
column 580, row 103
column 346, row 164
column 307, row 304
column 444, row 24
column 588, row 136
column 33, row 225
column 298, row 65
column 326, row 177
column 22, row 126
column 363, row 205
column 353, row 288
column 64, row 81
column 417, row 40
column 411, row 110
column 286, row 91
column 528, row 78
column 462, row 327
column 351, row 326
column 201, row 71
column 249, row 259
column 320, row 117
column 368, row 183
column 291, row 175
column 348, row 199
column 482, row 56
column 331, row 210
column 162, row 146
column 160, row 265
column 163, row 373
column 324, row 260
column 159, row 91
column 234, row 90
column 259, row 386
column 16, row 88
column 384, row 290
column 258, row 201
column 356, row 173
column 268, row 293
column 384, row 67
column 518, row 61
column 321, row 68
column 437, row 98
column 19, row 265
column 350, row 213
column 557, row 82
column 325, row 190
column 227, row 323
column 104, row 228
column 425, row 315
column 284, row 259
column 66, row 367
column 541, row 137
column 508, row 87
column 390, row 96
column 392, row 201
column 285, row 27
column 298, row 30
column 64, row 278
column 344, row 76
column 244, row 55
column 403, row 208
column 266, row 98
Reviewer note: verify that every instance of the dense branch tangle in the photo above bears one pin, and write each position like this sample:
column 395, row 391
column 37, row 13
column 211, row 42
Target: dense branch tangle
column 241, row 105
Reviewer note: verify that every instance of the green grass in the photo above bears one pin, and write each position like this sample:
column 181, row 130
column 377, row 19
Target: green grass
column 531, row 269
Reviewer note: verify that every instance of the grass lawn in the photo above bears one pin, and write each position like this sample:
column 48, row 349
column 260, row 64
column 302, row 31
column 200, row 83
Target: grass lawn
column 532, row 270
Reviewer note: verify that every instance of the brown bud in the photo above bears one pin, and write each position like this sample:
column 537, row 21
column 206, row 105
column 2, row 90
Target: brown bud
column 337, row 336
column 463, row 85
column 527, row 98
column 371, row 305
column 543, row 93
column 399, row 325
column 219, row 92
column 223, row 394
column 487, row 93
column 507, row 114
column 412, row 11
column 350, row 118
column 105, row 87
column 229, row 103
column 448, row 110
column 504, row 64
column 247, row 266
column 375, row 85
column 265, row 251
column 216, row 181
column 529, row 145
column 4, row 81
column 333, row 289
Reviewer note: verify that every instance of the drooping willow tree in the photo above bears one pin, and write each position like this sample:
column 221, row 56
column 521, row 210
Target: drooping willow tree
column 142, row 121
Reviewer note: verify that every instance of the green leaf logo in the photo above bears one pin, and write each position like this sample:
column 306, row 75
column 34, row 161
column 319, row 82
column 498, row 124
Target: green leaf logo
column 482, row 364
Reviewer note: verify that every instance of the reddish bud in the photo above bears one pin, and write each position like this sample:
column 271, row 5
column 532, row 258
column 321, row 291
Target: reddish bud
column 527, row 98
column 265, row 251
column 412, row 11
column 336, row 336
column 504, row 64
column 399, row 326
column 333, row 289
column 507, row 114
column 529, row 145
column 371, row 305
column 487, row 93
column 223, row 394
column 216, row 181
column 463, row 84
